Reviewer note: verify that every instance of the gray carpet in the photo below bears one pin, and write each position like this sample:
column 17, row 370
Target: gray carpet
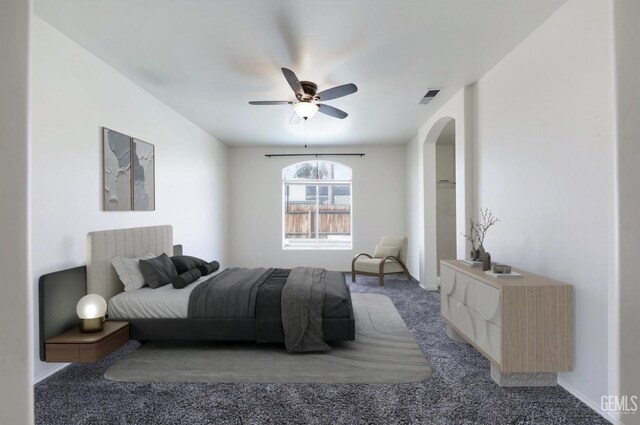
column 460, row 390
column 384, row 352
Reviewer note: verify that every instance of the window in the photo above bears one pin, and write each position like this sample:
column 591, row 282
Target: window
column 316, row 206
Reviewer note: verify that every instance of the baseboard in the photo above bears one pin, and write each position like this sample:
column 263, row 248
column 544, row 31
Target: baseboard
column 592, row 405
column 429, row 287
column 45, row 375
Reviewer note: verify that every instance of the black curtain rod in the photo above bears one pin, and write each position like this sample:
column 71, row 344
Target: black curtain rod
column 314, row 154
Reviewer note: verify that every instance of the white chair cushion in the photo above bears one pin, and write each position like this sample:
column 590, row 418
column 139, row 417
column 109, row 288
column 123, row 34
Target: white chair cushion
column 372, row 265
column 386, row 251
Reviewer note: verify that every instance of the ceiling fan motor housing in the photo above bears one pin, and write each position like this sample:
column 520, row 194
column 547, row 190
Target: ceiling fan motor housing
column 310, row 89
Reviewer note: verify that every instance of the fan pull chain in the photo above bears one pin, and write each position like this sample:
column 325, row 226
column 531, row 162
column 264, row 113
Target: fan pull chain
column 305, row 133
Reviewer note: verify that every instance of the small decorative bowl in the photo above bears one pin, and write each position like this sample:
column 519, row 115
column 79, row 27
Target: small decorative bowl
column 501, row 269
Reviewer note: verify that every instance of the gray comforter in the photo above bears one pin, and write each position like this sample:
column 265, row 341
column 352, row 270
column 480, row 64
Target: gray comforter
column 286, row 304
column 302, row 305
column 230, row 294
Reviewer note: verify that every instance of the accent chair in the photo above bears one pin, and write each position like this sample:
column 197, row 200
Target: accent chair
column 389, row 257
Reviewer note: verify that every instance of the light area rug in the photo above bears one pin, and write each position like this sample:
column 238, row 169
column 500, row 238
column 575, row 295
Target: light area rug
column 384, row 352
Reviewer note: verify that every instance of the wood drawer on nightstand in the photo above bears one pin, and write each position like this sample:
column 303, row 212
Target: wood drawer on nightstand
column 74, row 346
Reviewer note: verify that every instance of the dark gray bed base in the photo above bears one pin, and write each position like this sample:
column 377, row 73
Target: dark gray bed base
column 335, row 329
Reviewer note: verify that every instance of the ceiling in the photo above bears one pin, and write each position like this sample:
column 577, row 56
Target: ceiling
column 207, row 58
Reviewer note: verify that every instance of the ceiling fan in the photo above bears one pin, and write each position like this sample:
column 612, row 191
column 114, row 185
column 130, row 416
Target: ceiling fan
column 307, row 97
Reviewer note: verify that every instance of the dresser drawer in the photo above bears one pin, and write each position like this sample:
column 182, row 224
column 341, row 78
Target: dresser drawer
column 485, row 300
column 459, row 315
column 487, row 336
column 454, row 284
column 445, row 305
column 447, row 280
column 478, row 296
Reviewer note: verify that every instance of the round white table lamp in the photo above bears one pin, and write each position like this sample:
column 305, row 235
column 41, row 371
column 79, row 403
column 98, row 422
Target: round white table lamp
column 91, row 310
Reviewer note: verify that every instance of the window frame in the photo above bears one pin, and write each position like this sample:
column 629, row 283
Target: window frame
column 315, row 244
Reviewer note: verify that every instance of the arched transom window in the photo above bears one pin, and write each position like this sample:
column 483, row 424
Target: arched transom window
column 316, row 206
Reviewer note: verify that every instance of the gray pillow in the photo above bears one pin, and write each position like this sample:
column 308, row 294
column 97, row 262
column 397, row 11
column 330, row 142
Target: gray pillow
column 158, row 271
column 129, row 272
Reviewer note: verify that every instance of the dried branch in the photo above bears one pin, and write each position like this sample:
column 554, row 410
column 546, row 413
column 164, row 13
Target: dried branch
column 488, row 220
column 472, row 236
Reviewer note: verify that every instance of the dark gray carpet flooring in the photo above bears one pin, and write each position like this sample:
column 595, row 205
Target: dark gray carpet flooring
column 459, row 392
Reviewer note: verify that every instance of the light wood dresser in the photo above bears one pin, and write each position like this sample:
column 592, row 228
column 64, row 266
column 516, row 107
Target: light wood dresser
column 522, row 325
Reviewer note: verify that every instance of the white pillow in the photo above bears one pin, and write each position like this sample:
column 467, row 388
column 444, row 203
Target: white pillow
column 128, row 270
column 386, row 251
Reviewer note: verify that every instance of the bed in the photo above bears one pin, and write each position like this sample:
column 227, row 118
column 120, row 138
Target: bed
column 163, row 313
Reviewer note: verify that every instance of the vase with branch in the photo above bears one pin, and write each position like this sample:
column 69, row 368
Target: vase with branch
column 478, row 232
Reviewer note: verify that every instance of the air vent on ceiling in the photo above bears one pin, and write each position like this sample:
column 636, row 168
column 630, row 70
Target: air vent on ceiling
column 429, row 96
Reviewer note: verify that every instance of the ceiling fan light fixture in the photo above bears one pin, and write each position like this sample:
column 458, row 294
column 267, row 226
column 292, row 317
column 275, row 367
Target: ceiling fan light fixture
column 305, row 110
column 306, row 96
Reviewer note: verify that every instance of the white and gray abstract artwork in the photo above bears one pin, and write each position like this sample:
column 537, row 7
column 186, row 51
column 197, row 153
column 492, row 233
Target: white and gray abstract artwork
column 143, row 176
column 117, row 171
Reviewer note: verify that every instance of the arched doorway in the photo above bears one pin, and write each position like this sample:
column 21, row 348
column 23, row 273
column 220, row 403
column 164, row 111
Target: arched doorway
column 440, row 142
column 446, row 194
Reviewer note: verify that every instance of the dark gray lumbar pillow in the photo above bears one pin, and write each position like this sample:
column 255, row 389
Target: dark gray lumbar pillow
column 186, row 278
column 209, row 268
column 158, row 271
column 185, row 263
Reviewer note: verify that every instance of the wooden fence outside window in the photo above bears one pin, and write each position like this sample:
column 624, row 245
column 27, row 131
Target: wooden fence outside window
column 333, row 219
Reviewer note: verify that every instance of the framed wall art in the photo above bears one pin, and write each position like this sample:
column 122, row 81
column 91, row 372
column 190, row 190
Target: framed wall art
column 129, row 173
column 143, row 176
column 117, row 170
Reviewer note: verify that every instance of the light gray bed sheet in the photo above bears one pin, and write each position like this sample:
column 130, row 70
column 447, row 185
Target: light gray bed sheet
column 165, row 302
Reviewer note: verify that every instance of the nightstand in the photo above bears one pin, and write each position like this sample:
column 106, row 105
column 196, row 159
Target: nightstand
column 74, row 346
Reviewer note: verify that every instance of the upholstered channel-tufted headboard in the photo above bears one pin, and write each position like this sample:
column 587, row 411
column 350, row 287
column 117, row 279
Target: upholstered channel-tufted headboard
column 104, row 245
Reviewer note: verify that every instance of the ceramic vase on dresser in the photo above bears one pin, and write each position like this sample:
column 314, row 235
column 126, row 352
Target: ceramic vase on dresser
column 486, row 261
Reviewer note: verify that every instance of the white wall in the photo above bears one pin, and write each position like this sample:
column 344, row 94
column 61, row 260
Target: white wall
column 16, row 367
column 412, row 211
column 627, row 35
column 256, row 198
column 544, row 149
column 74, row 95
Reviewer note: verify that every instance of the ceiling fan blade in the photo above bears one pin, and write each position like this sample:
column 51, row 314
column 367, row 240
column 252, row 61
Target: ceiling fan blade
column 270, row 102
column 336, row 92
column 293, row 81
column 331, row 111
